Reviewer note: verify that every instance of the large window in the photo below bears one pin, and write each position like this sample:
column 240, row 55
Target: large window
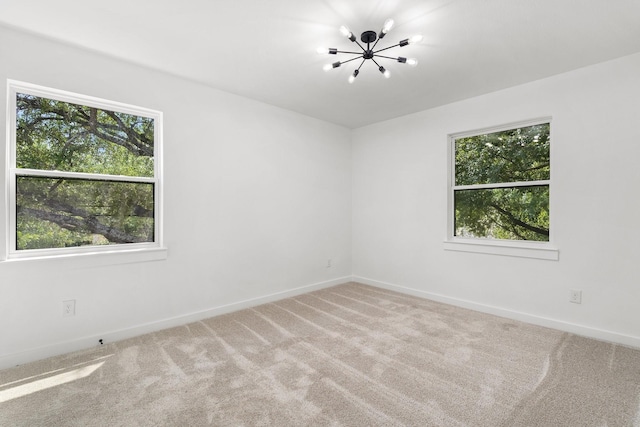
column 84, row 174
column 500, row 183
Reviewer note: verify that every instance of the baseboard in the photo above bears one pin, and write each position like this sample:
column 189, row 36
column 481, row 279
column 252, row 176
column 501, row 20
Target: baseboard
column 586, row 331
column 39, row 353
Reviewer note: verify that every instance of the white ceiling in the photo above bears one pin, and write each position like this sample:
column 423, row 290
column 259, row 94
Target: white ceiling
column 265, row 50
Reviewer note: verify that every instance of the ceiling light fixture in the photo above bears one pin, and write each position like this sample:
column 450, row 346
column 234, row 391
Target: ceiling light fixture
column 370, row 37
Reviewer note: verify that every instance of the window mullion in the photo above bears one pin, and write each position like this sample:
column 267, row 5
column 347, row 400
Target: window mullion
column 501, row 185
column 80, row 175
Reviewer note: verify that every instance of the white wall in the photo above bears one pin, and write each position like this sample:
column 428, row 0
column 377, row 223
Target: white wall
column 257, row 199
column 400, row 205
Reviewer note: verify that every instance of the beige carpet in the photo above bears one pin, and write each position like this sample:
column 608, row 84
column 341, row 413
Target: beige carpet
column 351, row 355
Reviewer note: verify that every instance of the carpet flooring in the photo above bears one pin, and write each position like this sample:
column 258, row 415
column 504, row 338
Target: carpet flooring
column 350, row 355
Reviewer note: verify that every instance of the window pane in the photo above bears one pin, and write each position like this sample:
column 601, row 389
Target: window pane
column 57, row 213
column 513, row 155
column 57, row 135
column 516, row 213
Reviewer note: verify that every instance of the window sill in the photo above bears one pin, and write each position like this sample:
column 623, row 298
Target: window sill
column 98, row 259
column 515, row 249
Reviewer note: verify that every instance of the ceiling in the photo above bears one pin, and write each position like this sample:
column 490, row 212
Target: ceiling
column 266, row 50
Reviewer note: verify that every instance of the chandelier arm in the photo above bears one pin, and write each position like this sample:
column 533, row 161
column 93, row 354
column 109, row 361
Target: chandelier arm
column 352, row 53
column 349, row 60
column 374, row 45
column 386, row 57
column 376, row 62
column 361, row 64
column 386, row 48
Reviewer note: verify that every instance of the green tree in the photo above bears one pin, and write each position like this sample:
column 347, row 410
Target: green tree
column 52, row 211
column 506, row 211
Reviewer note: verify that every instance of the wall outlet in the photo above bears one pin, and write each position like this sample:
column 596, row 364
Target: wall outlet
column 575, row 296
column 69, row 308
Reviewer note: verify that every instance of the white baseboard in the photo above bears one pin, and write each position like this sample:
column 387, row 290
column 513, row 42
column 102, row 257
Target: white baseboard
column 39, row 353
column 586, row 331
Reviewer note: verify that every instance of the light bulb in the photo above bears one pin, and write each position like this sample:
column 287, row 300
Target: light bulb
column 322, row 50
column 353, row 76
column 416, row 39
column 345, row 31
column 328, row 67
column 388, row 25
column 412, row 61
column 386, row 74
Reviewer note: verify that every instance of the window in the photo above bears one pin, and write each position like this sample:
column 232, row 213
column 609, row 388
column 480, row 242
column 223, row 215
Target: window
column 84, row 174
column 500, row 179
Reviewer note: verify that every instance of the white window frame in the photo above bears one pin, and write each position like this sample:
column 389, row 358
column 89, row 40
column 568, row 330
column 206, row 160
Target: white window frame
column 145, row 251
column 517, row 248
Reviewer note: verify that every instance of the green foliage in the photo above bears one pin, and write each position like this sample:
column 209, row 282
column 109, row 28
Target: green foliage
column 85, row 208
column 37, row 234
column 57, row 135
column 514, row 213
column 57, row 212
column 513, row 155
column 518, row 213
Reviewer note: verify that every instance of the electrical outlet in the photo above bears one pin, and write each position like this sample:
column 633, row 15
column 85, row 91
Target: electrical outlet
column 575, row 296
column 69, row 308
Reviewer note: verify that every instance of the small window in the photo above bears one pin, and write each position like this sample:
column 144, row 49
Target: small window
column 84, row 174
column 500, row 184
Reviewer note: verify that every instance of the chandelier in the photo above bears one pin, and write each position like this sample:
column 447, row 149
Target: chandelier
column 370, row 52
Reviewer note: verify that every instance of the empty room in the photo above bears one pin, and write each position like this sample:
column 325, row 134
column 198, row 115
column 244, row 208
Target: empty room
column 323, row 212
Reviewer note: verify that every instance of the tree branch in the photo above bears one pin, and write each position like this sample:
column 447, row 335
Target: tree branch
column 74, row 224
column 522, row 224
